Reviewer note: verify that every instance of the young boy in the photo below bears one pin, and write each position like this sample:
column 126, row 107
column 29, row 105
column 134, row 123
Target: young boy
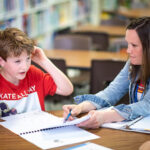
column 22, row 85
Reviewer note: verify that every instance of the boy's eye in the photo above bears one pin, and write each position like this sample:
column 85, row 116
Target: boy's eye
column 17, row 61
column 28, row 58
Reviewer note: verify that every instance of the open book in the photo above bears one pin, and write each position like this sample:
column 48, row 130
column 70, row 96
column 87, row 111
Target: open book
column 141, row 124
column 46, row 130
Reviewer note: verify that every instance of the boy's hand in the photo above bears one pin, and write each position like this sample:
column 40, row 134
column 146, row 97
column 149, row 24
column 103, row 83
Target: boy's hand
column 38, row 55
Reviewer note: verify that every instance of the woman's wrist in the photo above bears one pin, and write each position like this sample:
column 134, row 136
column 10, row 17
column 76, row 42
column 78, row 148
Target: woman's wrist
column 86, row 106
column 111, row 116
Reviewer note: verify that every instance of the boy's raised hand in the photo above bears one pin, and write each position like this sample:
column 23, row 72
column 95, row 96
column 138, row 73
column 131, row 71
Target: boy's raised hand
column 38, row 55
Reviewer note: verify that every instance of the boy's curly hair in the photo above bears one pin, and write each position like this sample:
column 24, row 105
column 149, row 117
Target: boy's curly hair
column 13, row 42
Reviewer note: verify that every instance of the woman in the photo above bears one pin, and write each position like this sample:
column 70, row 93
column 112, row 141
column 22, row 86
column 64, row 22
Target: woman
column 134, row 77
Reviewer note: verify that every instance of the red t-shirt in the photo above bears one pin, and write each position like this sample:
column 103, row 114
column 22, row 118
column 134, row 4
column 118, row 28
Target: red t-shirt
column 29, row 94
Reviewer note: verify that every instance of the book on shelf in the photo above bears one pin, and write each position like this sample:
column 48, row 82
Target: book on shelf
column 64, row 15
column 1, row 7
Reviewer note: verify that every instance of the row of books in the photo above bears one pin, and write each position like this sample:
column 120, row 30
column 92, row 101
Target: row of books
column 25, row 4
column 38, row 21
column 12, row 22
column 50, row 19
column 7, row 6
column 54, row 16
column 41, row 20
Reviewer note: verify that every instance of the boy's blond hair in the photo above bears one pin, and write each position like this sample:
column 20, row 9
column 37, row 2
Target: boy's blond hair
column 13, row 42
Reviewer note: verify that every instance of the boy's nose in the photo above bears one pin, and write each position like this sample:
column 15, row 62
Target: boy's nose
column 25, row 66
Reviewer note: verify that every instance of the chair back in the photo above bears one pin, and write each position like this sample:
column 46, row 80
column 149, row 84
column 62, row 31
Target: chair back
column 102, row 73
column 100, row 40
column 72, row 42
column 115, row 22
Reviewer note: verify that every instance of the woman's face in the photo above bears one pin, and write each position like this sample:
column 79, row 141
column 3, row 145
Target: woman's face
column 134, row 49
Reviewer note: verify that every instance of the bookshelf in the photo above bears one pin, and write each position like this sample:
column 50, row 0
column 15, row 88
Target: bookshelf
column 119, row 12
column 40, row 19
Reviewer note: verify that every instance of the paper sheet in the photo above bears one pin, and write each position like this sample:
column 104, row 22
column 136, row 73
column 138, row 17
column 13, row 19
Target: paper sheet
column 139, row 125
column 88, row 146
column 59, row 137
column 143, row 124
column 37, row 120
column 46, row 130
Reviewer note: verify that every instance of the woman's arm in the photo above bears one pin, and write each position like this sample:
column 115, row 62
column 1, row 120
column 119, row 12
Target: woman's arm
column 134, row 110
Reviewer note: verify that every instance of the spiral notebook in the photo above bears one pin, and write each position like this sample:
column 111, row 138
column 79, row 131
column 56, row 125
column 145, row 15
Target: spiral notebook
column 46, row 130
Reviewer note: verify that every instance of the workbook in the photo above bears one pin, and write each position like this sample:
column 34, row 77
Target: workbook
column 141, row 124
column 46, row 130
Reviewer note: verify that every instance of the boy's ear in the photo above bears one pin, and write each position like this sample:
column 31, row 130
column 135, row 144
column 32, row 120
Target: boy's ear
column 2, row 61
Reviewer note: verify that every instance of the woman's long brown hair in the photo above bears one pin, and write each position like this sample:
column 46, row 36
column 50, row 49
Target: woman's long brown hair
column 142, row 27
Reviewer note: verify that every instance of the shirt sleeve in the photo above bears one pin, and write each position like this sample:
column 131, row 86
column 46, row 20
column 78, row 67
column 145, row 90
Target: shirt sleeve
column 134, row 110
column 44, row 81
column 49, row 85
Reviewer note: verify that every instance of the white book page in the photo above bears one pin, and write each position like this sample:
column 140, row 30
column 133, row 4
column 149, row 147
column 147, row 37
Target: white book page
column 117, row 125
column 35, row 121
column 121, row 125
column 59, row 137
column 46, row 130
column 143, row 124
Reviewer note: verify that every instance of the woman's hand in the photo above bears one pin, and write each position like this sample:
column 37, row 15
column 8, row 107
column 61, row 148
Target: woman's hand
column 95, row 121
column 83, row 107
column 99, row 117
column 75, row 110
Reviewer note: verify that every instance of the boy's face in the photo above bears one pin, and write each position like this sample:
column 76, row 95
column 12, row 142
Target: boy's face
column 15, row 68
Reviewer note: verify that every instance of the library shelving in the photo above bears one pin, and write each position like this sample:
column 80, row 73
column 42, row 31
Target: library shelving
column 40, row 19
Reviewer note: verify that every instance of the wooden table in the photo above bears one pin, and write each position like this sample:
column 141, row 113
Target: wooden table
column 82, row 58
column 111, row 30
column 134, row 13
column 115, row 139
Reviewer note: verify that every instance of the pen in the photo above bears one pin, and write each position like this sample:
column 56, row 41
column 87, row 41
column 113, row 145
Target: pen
column 133, row 122
column 147, row 130
column 68, row 116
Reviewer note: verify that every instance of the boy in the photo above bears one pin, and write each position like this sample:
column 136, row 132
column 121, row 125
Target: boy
column 23, row 86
